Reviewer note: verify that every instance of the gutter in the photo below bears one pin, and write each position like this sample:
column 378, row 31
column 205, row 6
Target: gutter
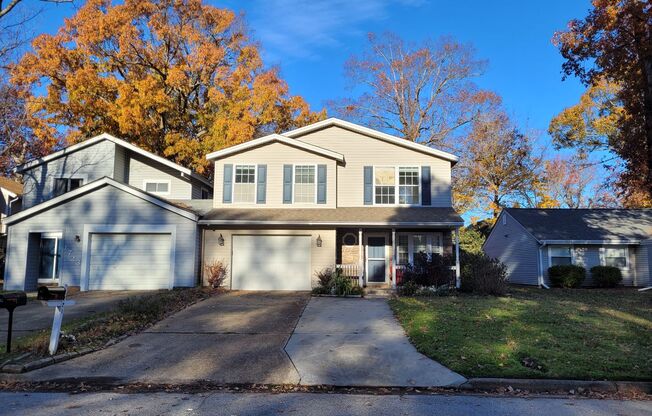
column 541, row 281
column 331, row 223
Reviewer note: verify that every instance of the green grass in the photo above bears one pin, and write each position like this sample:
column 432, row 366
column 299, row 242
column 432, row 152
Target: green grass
column 129, row 316
column 562, row 333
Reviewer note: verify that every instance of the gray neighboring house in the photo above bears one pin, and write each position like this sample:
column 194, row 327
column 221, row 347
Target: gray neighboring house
column 529, row 241
column 99, row 215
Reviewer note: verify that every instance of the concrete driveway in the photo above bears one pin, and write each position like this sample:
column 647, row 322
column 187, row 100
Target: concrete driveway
column 359, row 342
column 35, row 316
column 237, row 337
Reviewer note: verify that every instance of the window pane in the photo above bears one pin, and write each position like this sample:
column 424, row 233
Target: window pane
column 408, row 176
column 245, row 174
column 60, row 185
column 402, row 249
column 385, row 176
column 419, row 243
column 75, row 183
column 560, row 251
column 555, row 261
column 304, row 184
column 162, row 187
column 615, row 256
column 385, row 195
column 244, row 192
column 616, row 262
column 150, row 187
column 408, row 194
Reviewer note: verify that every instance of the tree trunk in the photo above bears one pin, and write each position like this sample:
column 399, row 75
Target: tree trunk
column 647, row 103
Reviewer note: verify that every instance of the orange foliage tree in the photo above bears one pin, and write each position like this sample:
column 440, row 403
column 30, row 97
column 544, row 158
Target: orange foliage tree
column 175, row 77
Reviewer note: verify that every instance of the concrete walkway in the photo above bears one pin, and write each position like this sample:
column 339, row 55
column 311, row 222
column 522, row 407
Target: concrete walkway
column 359, row 342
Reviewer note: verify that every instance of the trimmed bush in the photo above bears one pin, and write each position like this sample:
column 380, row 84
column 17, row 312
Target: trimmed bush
column 566, row 275
column 434, row 270
column 606, row 276
column 407, row 288
column 482, row 275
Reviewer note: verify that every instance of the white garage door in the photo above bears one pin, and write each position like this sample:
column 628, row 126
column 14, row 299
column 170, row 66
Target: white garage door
column 271, row 262
column 129, row 261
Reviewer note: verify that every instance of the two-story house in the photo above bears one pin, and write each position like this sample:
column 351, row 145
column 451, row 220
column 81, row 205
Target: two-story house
column 99, row 215
column 331, row 194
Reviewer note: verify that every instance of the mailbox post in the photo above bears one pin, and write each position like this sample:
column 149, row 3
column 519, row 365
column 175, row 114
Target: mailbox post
column 11, row 301
column 55, row 297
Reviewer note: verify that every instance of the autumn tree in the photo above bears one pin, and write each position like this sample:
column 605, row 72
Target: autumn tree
column 421, row 92
column 175, row 77
column 499, row 165
column 611, row 53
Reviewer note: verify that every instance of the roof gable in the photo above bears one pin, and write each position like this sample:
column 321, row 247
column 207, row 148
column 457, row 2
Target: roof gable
column 92, row 186
column 274, row 138
column 330, row 122
column 588, row 225
column 122, row 143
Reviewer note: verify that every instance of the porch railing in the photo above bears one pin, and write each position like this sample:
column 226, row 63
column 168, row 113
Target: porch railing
column 348, row 270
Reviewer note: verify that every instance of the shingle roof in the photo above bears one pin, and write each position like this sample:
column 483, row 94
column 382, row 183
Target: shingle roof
column 11, row 185
column 353, row 216
column 585, row 224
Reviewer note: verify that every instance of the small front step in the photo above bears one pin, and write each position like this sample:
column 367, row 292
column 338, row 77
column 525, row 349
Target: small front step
column 379, row 292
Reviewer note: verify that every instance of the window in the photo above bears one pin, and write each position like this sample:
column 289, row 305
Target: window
column 615, row 256
column 244, row 188
column 205, row 193
column 560, row 255
column 305, row 189
column 408, row 185
column 385, row 185
column 402, row 250
column 349, row 239
column 63, row 185
column 158, row 187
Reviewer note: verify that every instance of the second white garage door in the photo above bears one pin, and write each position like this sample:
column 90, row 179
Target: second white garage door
column 129, row 261
column 271, row 262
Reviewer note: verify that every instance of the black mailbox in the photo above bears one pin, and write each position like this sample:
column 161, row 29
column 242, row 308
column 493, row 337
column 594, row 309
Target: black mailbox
column 11, row 301
column 51, row 293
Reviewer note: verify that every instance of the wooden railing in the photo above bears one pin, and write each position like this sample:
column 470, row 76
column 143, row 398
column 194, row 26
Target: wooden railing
column 348, row 270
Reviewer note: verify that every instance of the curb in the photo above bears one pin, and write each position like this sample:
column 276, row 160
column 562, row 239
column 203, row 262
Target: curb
column 571, row 386
column 43, row 362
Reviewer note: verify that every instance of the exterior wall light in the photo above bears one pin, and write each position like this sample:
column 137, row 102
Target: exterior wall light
column 319, row 241
column 77, row 238
column 220, row 240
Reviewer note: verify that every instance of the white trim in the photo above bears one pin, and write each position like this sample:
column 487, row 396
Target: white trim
column 603, row 260
column 397, row 186
column 294, row 193
column 233, row 175
column 57, row 236
column 125, row 229
column 93, row 186
column 120, row 142
column 350, row 223
column 367, row 258
column 157, row 181
column 371, row 133
column 592, row 242
column 572, row 253
column 274, row 138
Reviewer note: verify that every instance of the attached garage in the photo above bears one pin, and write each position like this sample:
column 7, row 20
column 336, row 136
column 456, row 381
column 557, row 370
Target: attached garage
column 130, row 261
column 271, row 262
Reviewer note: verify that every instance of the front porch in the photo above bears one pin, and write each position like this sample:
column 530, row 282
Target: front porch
column 376, row 257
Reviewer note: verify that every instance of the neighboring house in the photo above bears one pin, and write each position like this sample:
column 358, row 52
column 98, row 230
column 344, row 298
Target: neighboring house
column 95, row 215
column 10, row 191
column 331, row 194
column 529, row 241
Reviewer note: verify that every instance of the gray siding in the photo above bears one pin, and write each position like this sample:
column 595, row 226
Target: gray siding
column 106, row 206
column 121, row 167
column 646, row 264
column 142, row 169
column 90, row 163
column 516, row 248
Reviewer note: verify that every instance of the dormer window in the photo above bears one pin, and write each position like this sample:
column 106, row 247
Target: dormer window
column 157, row 187
column 63, row 185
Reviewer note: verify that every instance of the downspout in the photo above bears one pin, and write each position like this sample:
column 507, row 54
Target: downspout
column 541, row 281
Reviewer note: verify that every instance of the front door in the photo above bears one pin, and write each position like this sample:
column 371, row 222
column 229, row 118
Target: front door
column 49, row 257
column 376, row 259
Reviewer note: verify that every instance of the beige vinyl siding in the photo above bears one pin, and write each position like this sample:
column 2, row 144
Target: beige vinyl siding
column 360, row 150
column 142, row 169
column 90, row 163
column 105, row 206
column 275, row 155
column 516, row 248
column 320, row 257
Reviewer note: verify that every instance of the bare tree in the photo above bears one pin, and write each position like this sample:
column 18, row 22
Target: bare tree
column 421, row 92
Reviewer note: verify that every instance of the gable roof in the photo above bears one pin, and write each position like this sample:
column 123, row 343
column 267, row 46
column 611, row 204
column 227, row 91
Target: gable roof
column 11, row 185
column 585, row 225
column 274, row 138
column 330, row 122
column 92, row 186
column 105, row 136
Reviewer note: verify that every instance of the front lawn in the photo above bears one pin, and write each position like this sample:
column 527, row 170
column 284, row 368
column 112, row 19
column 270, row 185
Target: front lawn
column 129, row 316
column 536, row 333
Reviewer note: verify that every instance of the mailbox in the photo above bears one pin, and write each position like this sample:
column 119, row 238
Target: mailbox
column 11, row 301
column 51, row 293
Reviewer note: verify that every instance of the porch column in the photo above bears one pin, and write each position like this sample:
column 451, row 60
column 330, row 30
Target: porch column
column 360, row 259
column 458, row 282
column 394, row 258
